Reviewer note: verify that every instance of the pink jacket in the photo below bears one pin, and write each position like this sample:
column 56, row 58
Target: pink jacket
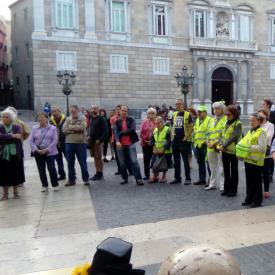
column 146, row 131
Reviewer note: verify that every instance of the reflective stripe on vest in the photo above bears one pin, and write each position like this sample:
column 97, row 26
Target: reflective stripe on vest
column 227, row 133
column 185, row 124
column 160, row 139
column 215, row 131
column 244, row 152
column 201, row 131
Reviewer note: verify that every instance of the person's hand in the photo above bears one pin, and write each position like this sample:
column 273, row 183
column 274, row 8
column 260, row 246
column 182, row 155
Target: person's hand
column 17, row 136
column 118, row 144
column 97, row 141
column 40, row 152
column 273, row 155
column 221, row 148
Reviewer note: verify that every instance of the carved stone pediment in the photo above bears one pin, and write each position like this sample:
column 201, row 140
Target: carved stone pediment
column 222, row 3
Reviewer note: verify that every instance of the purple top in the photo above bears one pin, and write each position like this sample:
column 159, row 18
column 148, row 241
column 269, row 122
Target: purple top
column 7, row 138
column 45, row 138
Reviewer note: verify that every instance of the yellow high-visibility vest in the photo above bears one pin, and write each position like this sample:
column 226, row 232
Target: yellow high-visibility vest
column 160, row 139
column 201, row 131
column 215, row 131
column 244, row 152
column 227, row 133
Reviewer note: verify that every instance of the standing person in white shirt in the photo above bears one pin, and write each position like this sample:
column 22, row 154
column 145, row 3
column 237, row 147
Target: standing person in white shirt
column 269, row 128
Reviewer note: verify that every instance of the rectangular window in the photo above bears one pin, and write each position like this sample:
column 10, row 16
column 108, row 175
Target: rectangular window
column 161, row 66
column 66, row 61
column 244, row 27
column 272, row 31
column 118, row 63
column 65, row 14
column 272, row 71
column 200, row 24
column 160, row 20
column 118, row 16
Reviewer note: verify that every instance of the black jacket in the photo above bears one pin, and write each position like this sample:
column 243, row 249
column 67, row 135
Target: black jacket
column 131, row 126
column 59, row 127
column 98, row 129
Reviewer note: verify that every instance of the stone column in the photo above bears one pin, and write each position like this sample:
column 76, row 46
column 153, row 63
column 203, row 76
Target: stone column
column 195, row 101
column 39, row 17
column 249, row 102
column 90, row 20
column 238, row 96
column 207, row 88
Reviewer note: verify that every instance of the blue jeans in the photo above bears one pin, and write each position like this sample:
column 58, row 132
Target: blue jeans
column 128, row 154
column 80, row 151
column 200, row 154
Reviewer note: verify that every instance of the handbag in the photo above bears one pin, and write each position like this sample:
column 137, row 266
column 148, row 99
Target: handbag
column 160, row 164
column 41, row 141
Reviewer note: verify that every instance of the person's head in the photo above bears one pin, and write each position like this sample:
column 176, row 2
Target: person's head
column 192, row 111
column 56, row 112
column 266, row 104
column 102, row 112
column 124, row 111
column 151, row 113
column 95, row 110
column 159, row 122
column 74, row 111
column 263, row 114
column 202, row 112
column 118, row 110
column 42, row 119
column 179, row 105
column 218, row 108
column 163, row 114
column 232, row 112
column 254, row 120
column 13, row 110
column 112, row 112
column 8, row 116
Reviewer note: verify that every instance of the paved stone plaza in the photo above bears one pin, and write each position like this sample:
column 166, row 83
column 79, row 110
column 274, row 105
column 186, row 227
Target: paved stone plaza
column 56, row 231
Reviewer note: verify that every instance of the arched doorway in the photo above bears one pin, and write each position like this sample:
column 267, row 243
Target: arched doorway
column 222, row 85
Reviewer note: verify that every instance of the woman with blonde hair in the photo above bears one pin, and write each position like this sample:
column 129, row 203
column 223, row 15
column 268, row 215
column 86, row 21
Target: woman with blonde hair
column 11, row 153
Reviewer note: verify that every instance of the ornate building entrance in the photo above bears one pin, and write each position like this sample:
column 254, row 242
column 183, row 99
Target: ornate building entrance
column 222, row 85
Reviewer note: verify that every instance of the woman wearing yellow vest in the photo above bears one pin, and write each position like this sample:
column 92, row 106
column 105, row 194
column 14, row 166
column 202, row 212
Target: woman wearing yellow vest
column 200, row 148
column 214, row 156
column 230, row 137
column 161, row 140
column 252, row 149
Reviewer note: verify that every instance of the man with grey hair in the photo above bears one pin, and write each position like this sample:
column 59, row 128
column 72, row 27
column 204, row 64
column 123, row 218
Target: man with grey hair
column 214, row 156
column 98, row 132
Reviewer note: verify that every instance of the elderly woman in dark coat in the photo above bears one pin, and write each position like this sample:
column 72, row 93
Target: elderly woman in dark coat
column 11, row 153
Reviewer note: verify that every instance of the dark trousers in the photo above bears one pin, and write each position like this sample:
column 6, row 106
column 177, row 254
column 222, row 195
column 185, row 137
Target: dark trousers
column 254, row 191
column 231, row 174
column 181, row 149
column 147, row 156
column 59, row 161
column 116, row 157
column 105, row 147
column 200, row 155
column 128, row 159
column 268, row 164
column 42, row 161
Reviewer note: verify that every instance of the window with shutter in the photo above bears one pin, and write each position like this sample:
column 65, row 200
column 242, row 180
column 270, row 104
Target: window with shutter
column 161, row 66
column 244, row 28
column 65, row 14
column 200, row 24
column 66, row 61
column 118, row 63
column 272, row 71
column 118, row 16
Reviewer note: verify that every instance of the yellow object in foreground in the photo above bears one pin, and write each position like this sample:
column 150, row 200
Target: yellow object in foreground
column 81, row 270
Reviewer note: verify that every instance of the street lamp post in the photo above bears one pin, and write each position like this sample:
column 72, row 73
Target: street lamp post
column 184, row 80
column 66, row 80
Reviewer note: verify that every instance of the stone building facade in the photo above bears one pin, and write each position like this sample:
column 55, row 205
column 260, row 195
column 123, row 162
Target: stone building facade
column 128, row 51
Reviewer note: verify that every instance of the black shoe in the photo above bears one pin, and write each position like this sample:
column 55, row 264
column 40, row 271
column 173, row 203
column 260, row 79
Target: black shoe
column 245, row 203
column 140, row 182
column 105, row 160
column 224, row 194
column 124, row 182
column 146, row 178
column 199, row 182
column 61, row 178
column 97, row 177
column 255, row 205
column 187, row 182
column 117, row 173
column 70, row 183
column 175, row 182
column 112, row 159
column 231, row 195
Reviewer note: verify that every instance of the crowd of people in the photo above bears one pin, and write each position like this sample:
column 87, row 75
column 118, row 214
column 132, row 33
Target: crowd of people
column 166, row 136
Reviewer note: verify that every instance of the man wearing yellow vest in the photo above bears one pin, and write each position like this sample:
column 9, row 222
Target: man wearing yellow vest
column 200, row 134
column 252, row 149
column 58, row 120
column 182, row 129
column 214, row 155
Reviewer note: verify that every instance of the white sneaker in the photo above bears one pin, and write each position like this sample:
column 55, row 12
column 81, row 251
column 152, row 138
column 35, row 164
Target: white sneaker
column 56, row 188
column 44, row 189
column 210, row 188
